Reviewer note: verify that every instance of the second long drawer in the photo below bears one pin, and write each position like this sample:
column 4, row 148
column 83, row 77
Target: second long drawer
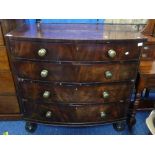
column 76, row 72
column 74, row 93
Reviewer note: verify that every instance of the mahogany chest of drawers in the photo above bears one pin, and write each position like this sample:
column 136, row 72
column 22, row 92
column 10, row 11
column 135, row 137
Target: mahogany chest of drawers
column 74, row 74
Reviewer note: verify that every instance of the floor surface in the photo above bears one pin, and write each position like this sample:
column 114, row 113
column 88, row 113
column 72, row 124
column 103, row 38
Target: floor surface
column 18, row 128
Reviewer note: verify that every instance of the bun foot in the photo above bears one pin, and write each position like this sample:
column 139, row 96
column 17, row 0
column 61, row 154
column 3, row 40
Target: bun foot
column 119, row 126
column 30, row 127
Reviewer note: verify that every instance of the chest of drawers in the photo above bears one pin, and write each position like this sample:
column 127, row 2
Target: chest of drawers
column 74, row 74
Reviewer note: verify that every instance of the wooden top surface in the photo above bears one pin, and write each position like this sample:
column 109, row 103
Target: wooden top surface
column 77, row 32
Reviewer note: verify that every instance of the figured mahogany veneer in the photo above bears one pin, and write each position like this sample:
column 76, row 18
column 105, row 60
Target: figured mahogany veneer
column 75, row 63
column 75, row 51
column 75, row 93
column 84, row 114
column 75, row 72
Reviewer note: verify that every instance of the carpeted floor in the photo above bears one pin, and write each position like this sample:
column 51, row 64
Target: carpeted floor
column 18, row 128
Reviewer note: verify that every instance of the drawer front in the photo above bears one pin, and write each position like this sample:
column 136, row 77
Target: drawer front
column 1, row 37
column 76, row 72
column 75, row 114
column 75, row 94
column 4, row 64
column 6, row 84
column 148, row 52
column 9, row 105
column 75, row 52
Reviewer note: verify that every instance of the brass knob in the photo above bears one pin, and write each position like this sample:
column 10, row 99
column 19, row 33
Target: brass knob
column 111, row 53
column 102, row 114
column 48, row 114
column 105, row 94
column 46, row 94
column 108, row 74
column 42, row 52
column 44, row 73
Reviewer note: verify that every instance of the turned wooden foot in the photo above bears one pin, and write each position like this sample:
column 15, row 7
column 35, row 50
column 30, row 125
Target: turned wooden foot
column 30, row 127
column 119, row 126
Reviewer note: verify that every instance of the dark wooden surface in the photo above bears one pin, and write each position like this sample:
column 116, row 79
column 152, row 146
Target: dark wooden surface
column 75, row 72
column 9, row 25
column 146, row 104
column 75, row 114
column 76, row 94
column 77, row 32
column 74, row 52
column 76, row 60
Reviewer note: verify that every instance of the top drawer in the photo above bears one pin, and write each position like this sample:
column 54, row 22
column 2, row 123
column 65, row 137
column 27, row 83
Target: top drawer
column 148, row 52
column 75, row 52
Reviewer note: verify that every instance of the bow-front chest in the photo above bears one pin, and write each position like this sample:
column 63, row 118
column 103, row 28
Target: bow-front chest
column 74, row 74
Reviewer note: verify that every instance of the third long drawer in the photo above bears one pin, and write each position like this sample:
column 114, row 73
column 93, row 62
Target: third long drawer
column 101, row 93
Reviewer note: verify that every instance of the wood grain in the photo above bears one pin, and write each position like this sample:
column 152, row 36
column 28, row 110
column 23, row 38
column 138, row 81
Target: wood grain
column 4, row 64
column 75, row 72
column 76, row 94
column 1, row 37
column 9, row 105
column 75, row 114
column 98, row 33
column 76, row 62
column 148, row 52
column 6, row 84
column 147, row 67
column 75, row 52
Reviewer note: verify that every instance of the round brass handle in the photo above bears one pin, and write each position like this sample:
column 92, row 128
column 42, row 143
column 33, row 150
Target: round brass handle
column 108, row 74
column 106, row 94
column 111, row 53
column 42, row 52
column 102, row 114
column 46, row 94
column 48, row 114
column 44, row 73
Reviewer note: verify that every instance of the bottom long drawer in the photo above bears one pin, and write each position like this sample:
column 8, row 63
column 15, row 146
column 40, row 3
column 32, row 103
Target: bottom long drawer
column 79, row 114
